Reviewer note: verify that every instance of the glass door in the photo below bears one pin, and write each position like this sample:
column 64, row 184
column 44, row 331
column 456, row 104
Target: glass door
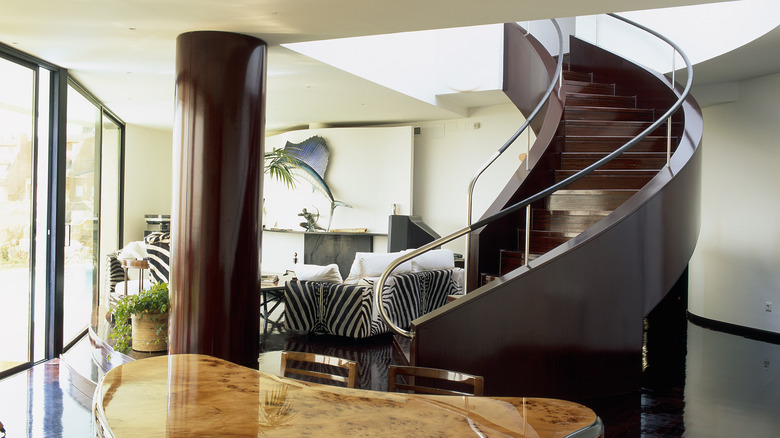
column 82, row 182
column 17, row 97
column 110, row 208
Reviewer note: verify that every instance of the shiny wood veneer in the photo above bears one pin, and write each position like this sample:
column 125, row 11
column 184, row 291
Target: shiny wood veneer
column 198, row 395
column 218, row 172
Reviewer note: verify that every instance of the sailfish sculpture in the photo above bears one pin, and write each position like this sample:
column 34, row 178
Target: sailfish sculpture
column 312, row 157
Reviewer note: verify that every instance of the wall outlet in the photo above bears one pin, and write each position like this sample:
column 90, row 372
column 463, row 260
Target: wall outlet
column 768, row 306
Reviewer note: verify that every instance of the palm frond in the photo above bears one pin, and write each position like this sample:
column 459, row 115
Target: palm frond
column 278, row 165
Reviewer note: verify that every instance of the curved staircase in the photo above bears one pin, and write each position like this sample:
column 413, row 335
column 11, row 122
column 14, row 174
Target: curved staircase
column 596, row 121
column 604, row 250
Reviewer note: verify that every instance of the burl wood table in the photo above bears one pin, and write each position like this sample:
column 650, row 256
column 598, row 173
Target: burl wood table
column 197, row 395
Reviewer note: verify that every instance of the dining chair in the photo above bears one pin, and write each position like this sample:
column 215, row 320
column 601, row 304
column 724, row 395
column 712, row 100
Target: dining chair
column 310, row 363
column 436, row 381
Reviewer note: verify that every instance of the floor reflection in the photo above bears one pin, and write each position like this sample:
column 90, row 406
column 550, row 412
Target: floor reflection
column 33, row 404
column 697, row 383
column 732, row 385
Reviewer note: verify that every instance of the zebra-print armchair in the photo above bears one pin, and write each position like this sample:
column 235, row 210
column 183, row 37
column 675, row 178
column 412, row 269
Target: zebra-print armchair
column 348, row 309
column 157, row 245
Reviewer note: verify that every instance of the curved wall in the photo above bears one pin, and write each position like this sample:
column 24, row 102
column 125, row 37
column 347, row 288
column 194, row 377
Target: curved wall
column 735, row 269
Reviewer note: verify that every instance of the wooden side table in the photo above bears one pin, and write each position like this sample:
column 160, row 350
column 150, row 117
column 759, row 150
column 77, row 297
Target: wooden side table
column 128, row 264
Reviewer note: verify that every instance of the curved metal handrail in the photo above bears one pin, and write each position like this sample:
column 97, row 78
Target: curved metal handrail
column 556, row 79
column 379, row 287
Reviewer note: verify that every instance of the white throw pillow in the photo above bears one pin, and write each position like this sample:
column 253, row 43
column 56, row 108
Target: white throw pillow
column 372, row 264
column 135, row 251
column 329, row 273
column 434, row 260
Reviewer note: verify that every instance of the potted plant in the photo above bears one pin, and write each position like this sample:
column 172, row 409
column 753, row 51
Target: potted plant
column 143, row 320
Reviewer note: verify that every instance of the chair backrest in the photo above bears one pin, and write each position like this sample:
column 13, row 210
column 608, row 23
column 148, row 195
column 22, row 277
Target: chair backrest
column 445, row 381
column 325, row 361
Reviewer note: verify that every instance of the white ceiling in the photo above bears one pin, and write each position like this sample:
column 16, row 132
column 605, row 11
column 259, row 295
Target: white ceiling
column 123, row 51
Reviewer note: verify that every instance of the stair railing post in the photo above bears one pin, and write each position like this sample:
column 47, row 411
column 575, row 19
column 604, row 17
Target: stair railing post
column 527, row 150
column 527, row 234
column 669, row 120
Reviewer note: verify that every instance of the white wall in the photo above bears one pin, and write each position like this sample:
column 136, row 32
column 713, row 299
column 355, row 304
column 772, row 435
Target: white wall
column 369, row 168
column 148, row 173
column 447, row 155
column 735, row 269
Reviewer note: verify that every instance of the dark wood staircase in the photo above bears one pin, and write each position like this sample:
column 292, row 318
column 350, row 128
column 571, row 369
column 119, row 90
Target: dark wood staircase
column 595, row 122
column 605, row 249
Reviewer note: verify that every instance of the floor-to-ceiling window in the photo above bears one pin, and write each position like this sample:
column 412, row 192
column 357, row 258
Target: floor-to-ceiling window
column 38, row 131
column 17, row 124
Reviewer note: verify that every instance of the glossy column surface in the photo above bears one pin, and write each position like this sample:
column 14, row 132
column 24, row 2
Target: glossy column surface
column 198, row 395
column 218, row 170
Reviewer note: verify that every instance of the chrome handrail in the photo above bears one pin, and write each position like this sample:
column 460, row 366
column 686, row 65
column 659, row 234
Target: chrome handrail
column 379, row 287
column 553, row 81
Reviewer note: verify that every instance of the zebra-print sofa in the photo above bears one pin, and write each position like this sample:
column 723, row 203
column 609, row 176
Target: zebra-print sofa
column 348, row 309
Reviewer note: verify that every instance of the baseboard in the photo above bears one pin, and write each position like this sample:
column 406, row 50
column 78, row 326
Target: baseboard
column 747, row 332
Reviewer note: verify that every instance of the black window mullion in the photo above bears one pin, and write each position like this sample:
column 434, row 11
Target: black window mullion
column 56, row 215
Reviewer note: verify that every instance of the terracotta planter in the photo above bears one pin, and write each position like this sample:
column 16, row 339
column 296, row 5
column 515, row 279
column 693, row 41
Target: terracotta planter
column 145, row 327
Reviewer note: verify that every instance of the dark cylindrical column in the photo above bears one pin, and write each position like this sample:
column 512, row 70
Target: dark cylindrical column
column 218, row 171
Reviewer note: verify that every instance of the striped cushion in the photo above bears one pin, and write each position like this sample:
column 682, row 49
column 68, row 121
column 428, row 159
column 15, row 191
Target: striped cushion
column 114, row 272
column 114, row 275
column 158, row 245
column 348, row 310
column 409, row 296
column 335, row 309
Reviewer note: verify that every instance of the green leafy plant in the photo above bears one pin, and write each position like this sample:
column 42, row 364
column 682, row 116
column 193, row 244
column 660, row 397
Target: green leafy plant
column 146, row 304
column 279, row 164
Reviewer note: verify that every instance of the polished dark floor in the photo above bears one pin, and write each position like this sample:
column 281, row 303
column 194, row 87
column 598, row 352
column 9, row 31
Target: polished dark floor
column 697, row 382
column 34, row 403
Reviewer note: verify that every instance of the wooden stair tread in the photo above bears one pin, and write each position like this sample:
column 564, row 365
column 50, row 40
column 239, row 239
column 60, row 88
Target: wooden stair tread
column 576, row 75
column 613, row 172
column 586, row 87
column 607, row 128
column 596, row 192
column 638, row 160
column 608, row 113
column 600, row 200
column 563, row 221
column 600, row 181
column 546, row 212
column 628, row 153
column 604, row 143
column 599, row 100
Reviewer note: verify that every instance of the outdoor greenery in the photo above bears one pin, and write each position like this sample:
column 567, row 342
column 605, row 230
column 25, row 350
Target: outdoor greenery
column 148, row 303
